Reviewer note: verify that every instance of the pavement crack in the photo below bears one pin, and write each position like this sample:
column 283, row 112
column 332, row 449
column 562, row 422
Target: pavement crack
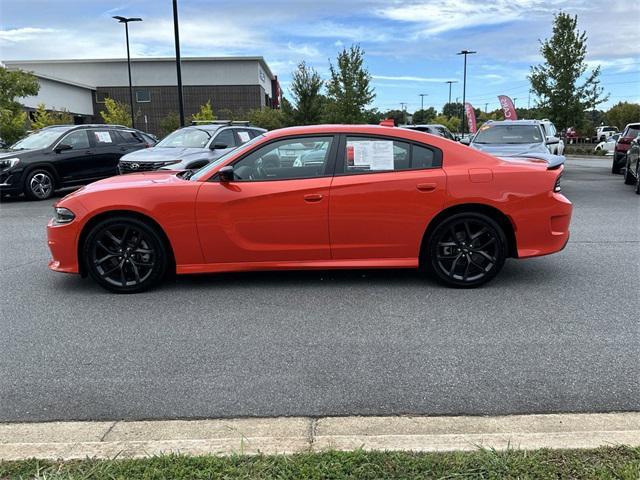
column 102, row 438
column 311, row 432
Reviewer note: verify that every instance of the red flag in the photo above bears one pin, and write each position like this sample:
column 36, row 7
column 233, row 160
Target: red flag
column 471, row 117
column 508, row 107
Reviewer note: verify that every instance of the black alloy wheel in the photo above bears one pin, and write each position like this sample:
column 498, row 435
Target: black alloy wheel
column 39, row 185
column 467, row 250
column 125, row 255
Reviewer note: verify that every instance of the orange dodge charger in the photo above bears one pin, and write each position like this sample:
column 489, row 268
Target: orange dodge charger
column 316, row 197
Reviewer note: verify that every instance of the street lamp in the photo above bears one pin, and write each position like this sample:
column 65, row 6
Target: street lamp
column 464, row 82
column 126, row 21
column 450, row 82
column 422, row 95
column 178, row 69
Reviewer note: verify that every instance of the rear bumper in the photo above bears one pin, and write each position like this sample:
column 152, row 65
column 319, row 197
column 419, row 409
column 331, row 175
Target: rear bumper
column 545, row 230
column 62, row 244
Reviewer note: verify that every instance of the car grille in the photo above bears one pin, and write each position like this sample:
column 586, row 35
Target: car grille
column 133, row 167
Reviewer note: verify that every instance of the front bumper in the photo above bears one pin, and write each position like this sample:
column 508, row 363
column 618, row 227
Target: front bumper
column 62, row 241
column 10, row 183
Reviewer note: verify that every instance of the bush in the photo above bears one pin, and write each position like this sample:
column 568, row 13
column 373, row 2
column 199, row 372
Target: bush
column 169, row 123
column 268, row 118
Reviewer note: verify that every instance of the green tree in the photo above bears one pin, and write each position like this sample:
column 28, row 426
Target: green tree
column 349, row 90
column 115, row 113
column 44, row 118
column 556, row 82
column 205, row 113
column 452, row 123
column 169, row 123
column 373, row 116
column 623, row 113
column 453, row 109
column 268, row 118
column 287, row 112
column 306, row 86
column 424, row 116
column 14, row 84
column 399, row 117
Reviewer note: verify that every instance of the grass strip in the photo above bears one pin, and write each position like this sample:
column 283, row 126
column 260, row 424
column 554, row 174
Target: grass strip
column 603, row 463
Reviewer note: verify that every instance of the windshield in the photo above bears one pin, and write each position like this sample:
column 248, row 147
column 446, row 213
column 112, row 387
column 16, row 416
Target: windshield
column 207, row 168
column 41, row 139
column 508, row 134
column 632, row 131
column 186, row 138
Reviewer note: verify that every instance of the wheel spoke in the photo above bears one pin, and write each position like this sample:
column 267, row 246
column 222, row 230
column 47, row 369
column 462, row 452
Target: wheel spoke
column 107, row 272
column 468, row 231
column 487, row 256
column 105, row 248
column 122, row 277
column 478, row 233
column 466, row 269
column 141, row 264
column 454, row 265
column 135, row 270
column 489, row 242
column 105, row 258
column 113, row 237
column 454, row 237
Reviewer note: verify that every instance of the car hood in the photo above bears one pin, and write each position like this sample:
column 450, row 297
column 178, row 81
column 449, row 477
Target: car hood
column 510, row 150
column 155, row 154
column 18, row 153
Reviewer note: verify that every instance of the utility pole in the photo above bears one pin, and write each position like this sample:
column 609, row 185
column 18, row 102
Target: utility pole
column 126, row 21
column 450, row 82
column 485, row 107
column 464, row 83
column 178, row 69
column 422, row 95
column 403, row 105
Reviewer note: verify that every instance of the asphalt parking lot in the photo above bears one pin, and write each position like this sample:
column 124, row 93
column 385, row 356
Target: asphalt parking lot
column 558, row 333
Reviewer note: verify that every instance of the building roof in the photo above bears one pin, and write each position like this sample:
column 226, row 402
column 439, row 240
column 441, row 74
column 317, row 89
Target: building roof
column 258, row 59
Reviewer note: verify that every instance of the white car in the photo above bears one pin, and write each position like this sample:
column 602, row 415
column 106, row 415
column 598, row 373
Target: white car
column 604, row 132
column 551, row 134
column 609, row 145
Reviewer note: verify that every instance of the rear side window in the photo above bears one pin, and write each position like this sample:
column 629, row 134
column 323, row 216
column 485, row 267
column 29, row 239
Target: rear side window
column 368, row 155
column 130, row 138
column 226, row 137
column 243, row 136
column 103, row 138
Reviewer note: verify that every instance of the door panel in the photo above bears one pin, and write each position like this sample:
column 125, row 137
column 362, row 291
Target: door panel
column 107, row 153
column 264, row 221
column 73, row 165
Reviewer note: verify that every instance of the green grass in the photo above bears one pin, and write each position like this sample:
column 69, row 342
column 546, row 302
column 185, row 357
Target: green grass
column 603, row 463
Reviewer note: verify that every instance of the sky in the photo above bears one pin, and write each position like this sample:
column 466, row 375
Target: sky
column 410, row 46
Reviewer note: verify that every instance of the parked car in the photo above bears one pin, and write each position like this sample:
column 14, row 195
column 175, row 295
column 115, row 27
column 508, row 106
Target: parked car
column 571, row 135
column 433, row 129
column 608, row 145
column 632, row 167
column 551, row 134
column 629, row 134
column 510, row 138
column 190, row 147
column 374, row 197
column 64, row 156
column 604, row 132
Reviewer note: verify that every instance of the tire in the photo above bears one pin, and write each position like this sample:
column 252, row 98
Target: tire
column 638, row 178
column 125, row 255
column 466, row 250
column 615, row 168
column 628, row 177
column 39, row 185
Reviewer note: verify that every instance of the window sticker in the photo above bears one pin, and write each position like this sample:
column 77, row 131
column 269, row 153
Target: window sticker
column 103, row 137
column 372, row 154
column 244, row 136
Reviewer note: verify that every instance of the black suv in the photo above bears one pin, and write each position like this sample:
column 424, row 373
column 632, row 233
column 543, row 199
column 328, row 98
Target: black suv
column 65, row 156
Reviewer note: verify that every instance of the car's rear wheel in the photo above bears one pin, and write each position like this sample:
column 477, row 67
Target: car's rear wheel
column 125, row 255
column 615, row 167
column 467, row 250
column 39, row 185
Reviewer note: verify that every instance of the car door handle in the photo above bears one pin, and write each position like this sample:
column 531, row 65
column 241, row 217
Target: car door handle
column 426, row 187
column 313, row 197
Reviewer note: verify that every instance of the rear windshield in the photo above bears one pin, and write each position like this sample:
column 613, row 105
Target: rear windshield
column 508, row 134
column 632, row 131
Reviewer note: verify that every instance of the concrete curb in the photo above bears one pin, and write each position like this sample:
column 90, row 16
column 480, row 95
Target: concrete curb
column 74, row 440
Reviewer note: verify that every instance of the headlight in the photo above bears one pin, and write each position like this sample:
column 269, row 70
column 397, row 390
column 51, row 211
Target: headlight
column 7, row 163
column 557, row 187
column 63, row 215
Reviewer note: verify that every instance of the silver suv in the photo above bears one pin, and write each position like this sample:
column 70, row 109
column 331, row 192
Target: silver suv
column 191, row 147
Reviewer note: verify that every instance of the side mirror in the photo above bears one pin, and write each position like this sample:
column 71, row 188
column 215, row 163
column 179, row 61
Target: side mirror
column 62, row 147
column 219, row 146
column 552, row 140
column 465, row 141
column 225, row 174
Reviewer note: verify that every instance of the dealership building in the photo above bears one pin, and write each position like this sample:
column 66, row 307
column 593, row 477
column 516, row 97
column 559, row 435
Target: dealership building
column 232, row 84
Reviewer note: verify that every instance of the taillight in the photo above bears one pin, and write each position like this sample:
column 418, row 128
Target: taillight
column 556, row 187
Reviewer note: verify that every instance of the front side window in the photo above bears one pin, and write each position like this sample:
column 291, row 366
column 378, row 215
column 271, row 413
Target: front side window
column 76, row 140
column 225, row 137
column 508, row 134
column 286, row 159
column 186, row 138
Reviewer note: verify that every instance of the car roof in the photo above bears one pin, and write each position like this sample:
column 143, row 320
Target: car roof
column 513, row 122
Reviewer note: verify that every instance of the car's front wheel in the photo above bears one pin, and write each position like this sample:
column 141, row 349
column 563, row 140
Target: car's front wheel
column 39, row 185
column 125, row 255
column 467, row 250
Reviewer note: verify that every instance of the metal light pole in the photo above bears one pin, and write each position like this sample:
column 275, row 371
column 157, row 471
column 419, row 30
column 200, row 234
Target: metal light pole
column 422, row 95
column 450, row 82
column 178, row 69
column 403, row 105
column 464, row 83
column 126, row 21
